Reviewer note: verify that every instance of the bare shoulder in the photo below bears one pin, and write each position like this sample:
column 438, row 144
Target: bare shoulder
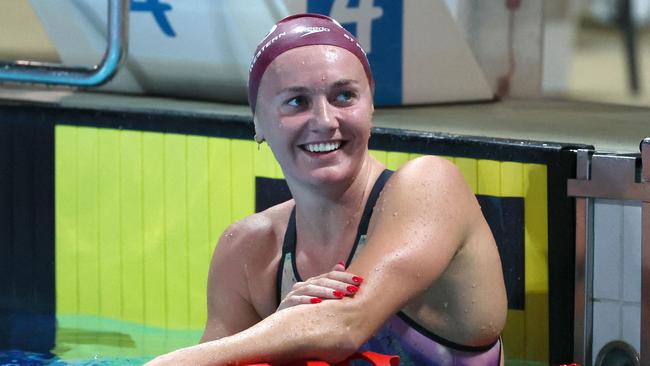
column 430, row 168
column 245, row 259
column 253, row 235
column 432, row 179
column 240, row 280
column 430, row 193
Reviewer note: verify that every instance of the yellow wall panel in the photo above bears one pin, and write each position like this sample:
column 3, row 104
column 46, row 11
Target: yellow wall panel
column 469, row 169
column 394, row 160
column 243, row 179
column 175, row 182
column 131, row 231
column 87, row 221
column 156, row 205
column 514, row 335
column 155, row 252
column 220, row 186
column 412, row 156
column 512, row 179
column 450, row 158
column 110, row 250
column 67, row 300
column 379, row 155
column 536, row 261
column 264, row 161
column 489, row 178
column 198, row 232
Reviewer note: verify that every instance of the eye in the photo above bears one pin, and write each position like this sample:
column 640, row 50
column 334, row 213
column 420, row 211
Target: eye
column 297, row 102
column 345, row 96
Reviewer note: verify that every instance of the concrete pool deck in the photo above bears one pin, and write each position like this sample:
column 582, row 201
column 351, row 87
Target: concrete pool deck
column 608, row 127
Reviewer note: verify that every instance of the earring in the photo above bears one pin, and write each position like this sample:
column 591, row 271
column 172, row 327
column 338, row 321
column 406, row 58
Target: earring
column 259, row 140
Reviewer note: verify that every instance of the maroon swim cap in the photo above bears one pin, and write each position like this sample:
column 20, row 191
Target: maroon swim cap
column 297, row 31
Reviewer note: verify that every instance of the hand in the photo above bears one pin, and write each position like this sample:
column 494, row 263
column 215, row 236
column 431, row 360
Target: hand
column 335, row 284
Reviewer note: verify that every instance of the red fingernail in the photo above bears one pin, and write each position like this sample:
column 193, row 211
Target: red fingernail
column 315, row 300
column 338, row 293
column 342, row 263
column 353, row 289
column 357, row 279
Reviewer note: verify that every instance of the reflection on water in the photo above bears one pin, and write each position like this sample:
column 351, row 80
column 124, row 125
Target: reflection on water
column 91, row 340
column 80, row 336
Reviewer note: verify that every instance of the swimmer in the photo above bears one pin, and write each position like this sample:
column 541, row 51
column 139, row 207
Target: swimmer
column 361, row 258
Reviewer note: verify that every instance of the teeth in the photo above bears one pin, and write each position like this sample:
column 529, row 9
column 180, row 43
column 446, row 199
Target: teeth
column 323, row 147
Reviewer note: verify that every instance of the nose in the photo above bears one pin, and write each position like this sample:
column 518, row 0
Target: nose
column 323, row 116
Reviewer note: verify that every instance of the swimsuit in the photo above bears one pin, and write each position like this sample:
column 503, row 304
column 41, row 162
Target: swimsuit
column 400, row 335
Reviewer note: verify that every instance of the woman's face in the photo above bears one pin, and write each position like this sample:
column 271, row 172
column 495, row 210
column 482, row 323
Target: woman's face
column 315, row 108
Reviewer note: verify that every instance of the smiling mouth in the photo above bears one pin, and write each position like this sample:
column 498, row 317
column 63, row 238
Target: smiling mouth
column 322, row 147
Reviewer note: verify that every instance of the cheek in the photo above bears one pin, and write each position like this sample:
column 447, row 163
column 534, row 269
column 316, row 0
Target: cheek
column 362, row 120
column 281, row 134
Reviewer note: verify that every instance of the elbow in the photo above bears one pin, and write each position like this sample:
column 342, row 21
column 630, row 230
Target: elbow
column 346, row 335
column 342, row 346
column 338, row 347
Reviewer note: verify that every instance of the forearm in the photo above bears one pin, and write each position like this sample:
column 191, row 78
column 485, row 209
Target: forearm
column 301, row 332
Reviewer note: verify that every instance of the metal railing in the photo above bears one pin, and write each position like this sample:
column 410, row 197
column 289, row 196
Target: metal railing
column 610, row 177
column 56, row 74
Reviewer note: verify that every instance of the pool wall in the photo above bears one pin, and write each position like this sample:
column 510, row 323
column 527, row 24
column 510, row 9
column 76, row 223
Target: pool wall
column 139, row 198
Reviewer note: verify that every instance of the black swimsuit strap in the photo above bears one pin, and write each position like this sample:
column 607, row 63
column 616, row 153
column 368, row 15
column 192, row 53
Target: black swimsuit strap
column 367, row 211
column 288, row 246
column 289, row 243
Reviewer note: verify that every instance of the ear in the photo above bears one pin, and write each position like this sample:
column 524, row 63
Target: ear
column 259, row 136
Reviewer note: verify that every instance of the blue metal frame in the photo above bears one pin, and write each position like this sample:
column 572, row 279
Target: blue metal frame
column 56, row 74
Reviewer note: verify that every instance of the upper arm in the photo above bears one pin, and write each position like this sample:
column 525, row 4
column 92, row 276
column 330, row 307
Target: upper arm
column 423, row 216
column 229, row 305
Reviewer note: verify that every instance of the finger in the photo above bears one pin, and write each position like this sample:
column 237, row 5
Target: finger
column 340, row 266
column 322, row 292
column 346, row 277
column 327, row 288
column 291, row 301
column 343, row 282
column 298, row 286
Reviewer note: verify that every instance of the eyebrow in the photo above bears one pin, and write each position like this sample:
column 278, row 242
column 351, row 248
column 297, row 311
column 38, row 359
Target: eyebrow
column 294, row 89
column 345, row 82
column 302, row 89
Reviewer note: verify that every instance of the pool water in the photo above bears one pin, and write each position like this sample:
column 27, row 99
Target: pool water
column 91, row 340
column 21, row 358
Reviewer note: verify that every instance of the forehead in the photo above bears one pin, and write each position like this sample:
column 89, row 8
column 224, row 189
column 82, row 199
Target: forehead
column 312, row 64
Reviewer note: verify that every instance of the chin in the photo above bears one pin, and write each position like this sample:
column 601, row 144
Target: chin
column 331, row 175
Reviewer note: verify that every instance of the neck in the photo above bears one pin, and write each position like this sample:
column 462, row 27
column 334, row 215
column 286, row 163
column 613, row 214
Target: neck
column 329, row 216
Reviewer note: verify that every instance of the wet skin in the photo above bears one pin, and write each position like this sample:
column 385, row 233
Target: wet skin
column 429, row 250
